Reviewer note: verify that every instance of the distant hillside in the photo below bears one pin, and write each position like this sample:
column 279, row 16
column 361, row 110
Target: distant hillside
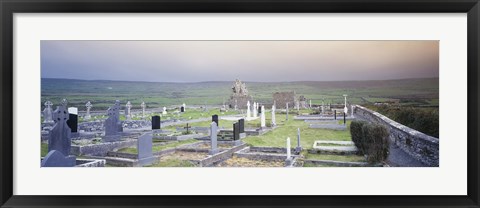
column 103, row 93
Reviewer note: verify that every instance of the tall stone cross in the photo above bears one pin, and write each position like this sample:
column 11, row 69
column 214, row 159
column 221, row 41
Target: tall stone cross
column 64, row 102
column 128, row 114
column 60, row 139
column 143, row 108
column 88, row 106
column 47, row 112
column 187, row 127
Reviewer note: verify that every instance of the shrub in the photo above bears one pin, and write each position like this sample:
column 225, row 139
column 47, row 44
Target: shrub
column 376, row 142
column 371, row 140
column 357, row 134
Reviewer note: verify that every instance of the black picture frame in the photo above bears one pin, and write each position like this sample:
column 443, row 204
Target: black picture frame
column 10, row 7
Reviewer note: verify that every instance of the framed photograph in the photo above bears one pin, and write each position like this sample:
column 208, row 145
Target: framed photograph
column 239, row 103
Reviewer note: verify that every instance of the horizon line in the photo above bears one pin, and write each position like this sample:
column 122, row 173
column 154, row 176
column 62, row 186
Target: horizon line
column 244, row 80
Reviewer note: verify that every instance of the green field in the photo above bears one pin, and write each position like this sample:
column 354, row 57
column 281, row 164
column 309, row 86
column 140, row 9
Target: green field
column 102, row 94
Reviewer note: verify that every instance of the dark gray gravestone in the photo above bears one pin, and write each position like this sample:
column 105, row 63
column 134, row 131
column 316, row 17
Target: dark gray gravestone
column 213, row 138
column 215, row 119
column 113, row 126
column 182, row 109
column 156, row 122
column 344, row 118
column 241, row 124
column 73, row 122
column 144, row 148
column 335, row 114
column 259, row 109
column 60, row 135
column 236, row 131
column 55, row 158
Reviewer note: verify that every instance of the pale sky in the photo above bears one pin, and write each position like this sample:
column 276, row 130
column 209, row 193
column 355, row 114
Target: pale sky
column 253, row 61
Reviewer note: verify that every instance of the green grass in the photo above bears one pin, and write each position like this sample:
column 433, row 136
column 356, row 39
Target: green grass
column 44, row 149
column 172, row 163
column 343, row 158
column 103, row 94
column 133, row 150
column 277, row 137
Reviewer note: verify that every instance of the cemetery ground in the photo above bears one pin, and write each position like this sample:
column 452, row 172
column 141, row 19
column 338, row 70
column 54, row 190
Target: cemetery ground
column 209, row 134
column 274, row 138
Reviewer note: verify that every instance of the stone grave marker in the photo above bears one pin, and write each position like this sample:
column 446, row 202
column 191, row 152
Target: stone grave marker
column 298, row 149
column 113, row 126
column 274, row 122
column 156, row 122
column 88, row 105
column 164, row 112
column 144, row 148
column 55, row 158
column 351, row 112
column 215, row 119
column 128, row 114
column 143, row 105
column 182, row 109
column 213, row 138
column 241, row 124
column 60, row 135
column 335, row 114
column 248, row 109
column 289, row 159
column 287, row 110
column 73, row 119
column 344, row 118
column 47, row 113
column 236, row 131
column 262, row 116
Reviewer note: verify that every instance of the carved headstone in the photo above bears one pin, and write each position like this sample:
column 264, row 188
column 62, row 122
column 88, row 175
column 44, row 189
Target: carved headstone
column 213, row 138
column 241, row 124
column 88, row 105
column 128, row 114
column 248, row 109
column 156, row 122
column 60, row 135
column 274, row 122
column 73, row 119
column 55, row 158
column 215, row 119
column 262, row 116
column 113, row 126
column 143, row 105
column 236, row 131
column 48, row 113
column 144, row 147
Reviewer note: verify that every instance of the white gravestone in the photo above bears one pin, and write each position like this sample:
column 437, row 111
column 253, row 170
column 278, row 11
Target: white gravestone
column 262, row 117
column 287, row 111
column 88, row 105
column 289, row 154
column 213, row 138
column 128, row 115
column 345, row 109
column 164, row 111
column 48, row 113
column 143, row 105
column 248, row 109
column 274, row 122
column 351, row 113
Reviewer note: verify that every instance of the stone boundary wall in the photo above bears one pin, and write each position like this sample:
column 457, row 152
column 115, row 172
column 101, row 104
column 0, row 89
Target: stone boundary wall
column 101, row 149
column 417, row 144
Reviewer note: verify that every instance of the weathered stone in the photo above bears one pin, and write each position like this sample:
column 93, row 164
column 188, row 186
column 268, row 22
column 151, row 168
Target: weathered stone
column 213, row 138
column 60, row 135
column 55, row 158
column 144, row 147
column 215, row 119
column 47, row 113
column 113, row 126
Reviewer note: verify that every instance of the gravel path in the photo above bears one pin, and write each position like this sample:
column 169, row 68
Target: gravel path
column 398, row 158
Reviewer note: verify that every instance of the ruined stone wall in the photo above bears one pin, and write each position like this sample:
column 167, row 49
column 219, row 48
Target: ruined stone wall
column 417, row 144
column 282, row 98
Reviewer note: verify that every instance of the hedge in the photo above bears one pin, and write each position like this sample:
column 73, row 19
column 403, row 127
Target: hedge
column 371, row 140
